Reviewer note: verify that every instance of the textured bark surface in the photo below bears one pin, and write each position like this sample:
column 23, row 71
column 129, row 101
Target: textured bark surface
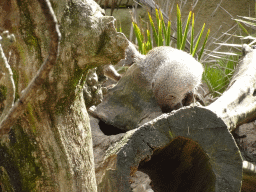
column 130, row 103
column 189, row 140
column 49, row 147
column 189, row 134
column 189, row 149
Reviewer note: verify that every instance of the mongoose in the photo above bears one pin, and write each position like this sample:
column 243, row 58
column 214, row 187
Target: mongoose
column 131, row 54
column 111, row 72
column 173, row 73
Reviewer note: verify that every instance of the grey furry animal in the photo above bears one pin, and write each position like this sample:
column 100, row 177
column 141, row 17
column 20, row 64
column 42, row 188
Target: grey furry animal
column 111, row 72
column 131, row 54
column 173, row 73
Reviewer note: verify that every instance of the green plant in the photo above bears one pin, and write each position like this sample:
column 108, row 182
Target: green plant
column 182, row 38
column 162, row 34
column 218, row 76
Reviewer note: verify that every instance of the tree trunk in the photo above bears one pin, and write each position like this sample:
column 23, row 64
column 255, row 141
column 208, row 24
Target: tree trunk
column 49, row 145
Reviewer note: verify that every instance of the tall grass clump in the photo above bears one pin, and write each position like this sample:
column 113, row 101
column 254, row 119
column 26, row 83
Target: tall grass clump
column 162, row 34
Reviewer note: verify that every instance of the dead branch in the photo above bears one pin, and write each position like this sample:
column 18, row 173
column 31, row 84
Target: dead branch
column 9, row 82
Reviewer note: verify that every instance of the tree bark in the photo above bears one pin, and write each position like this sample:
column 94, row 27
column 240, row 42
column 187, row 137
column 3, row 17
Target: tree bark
column 49, row 146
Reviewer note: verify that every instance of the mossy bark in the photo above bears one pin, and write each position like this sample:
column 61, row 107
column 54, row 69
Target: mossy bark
column 49, row 147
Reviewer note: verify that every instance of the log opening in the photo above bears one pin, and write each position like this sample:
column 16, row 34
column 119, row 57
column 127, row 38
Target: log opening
column 180, row 166
column 109, row 129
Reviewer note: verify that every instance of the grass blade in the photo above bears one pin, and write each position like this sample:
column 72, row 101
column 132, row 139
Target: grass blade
column 153, row 27
column 248, row 18
column 160, row 36
column 163, row 25
column 202, row 49
column 179, row 28
column 164, row 31
column 149, row 46
column 159, row 25
column 185, row 32
column 168, row 36
column 143, row 48
column 157, row 17
column 192, row 34
column 139, row 36
column 198, row 40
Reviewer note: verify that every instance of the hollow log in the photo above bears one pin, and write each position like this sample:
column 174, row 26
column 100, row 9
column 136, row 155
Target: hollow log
column 189, row 149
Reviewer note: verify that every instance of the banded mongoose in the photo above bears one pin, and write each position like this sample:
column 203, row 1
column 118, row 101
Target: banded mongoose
column 173, row 73
column 131, row 54
column 111, row 72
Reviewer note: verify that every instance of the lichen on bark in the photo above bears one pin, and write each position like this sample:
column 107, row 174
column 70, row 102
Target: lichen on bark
column 50, row 147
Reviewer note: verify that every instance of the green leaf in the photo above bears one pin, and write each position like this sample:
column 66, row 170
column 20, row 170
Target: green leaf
column 157, row 17
column 139, row 36
column 163, row 25
column 192, row 34
column 160, row 31
column 153, row 27
column 149, row 41
column 143, row 49
column 202, row 49
column 198, row 40
column 179, row 28
column 185, row 32
column 164, row 30
column 161, row 14
column 168, row 36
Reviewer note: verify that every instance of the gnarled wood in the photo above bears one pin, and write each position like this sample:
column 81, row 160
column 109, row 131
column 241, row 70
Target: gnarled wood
column 49, row 147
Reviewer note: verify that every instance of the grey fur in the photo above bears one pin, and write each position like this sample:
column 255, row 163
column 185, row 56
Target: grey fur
column 173, row 73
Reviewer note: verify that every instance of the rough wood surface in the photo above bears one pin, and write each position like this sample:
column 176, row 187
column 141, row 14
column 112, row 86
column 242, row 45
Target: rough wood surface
column 191, row 145
column 190, row 134
column 49, row 146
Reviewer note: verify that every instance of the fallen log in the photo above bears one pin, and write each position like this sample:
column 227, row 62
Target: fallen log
column 189, row 149
column 191, row 145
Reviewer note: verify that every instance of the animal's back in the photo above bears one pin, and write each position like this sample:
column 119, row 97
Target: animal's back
column 155, row 58
column 173, row 73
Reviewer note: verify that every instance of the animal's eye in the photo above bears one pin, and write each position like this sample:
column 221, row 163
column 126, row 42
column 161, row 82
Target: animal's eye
column 169, row 97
